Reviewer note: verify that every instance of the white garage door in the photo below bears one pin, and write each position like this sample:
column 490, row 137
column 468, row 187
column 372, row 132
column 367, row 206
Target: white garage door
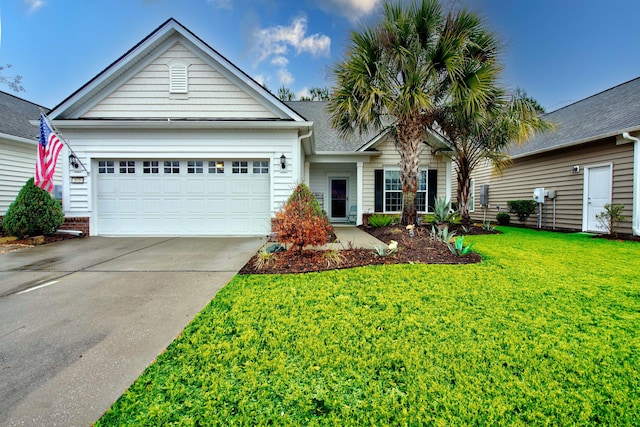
column 183, row 197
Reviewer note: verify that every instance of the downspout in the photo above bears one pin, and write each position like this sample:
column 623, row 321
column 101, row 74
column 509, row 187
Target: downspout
column 635, row 220
column 301, row 148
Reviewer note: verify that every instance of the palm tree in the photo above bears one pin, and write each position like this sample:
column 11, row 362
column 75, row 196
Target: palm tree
column 399, row 74
column 486, row 135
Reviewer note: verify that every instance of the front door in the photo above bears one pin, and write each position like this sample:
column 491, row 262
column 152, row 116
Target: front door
column 598, row 194
column 338, row 198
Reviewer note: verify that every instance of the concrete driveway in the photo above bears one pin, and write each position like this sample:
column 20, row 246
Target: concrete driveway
column 81, row 319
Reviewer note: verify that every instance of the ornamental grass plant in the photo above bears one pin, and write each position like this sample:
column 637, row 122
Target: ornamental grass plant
column 545, row 331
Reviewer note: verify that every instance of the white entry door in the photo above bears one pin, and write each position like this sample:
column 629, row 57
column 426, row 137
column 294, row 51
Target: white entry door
column 597, row 194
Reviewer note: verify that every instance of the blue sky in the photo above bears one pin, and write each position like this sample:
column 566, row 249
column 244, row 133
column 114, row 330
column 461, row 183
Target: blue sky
column 559, row 51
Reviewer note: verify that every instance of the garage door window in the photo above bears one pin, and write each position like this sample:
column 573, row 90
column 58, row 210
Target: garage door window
column 261, row 167
column 195, row 166
column 127, row 166
column 171, row 166
column 216, row 166
column 150, row 167
column 106, row 166
column 240, row 167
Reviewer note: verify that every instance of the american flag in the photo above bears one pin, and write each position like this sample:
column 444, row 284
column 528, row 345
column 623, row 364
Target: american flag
column 49, row 146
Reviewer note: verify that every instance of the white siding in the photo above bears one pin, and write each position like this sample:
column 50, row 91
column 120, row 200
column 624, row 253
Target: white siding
column 210, row 94
column 17, row 165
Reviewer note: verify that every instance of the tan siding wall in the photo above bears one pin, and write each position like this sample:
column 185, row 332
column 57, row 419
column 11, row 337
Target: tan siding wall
column 389, row 159
column 553, row 172
column 211, row 94
column 319, row 181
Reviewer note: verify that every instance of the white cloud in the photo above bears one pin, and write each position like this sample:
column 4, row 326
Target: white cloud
column 280, row 61
column 285, row 77
column 260, row 79
column 304, row 92
column 351, row 9
column 276, row 41
column 275, row 44
column 221, row 4
column 34, row 5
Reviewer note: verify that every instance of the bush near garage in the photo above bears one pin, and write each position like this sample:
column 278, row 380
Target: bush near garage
column 301, row 221
column 34, row 212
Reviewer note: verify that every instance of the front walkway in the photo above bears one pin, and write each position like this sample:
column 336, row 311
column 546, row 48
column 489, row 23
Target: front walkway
column 349, row 236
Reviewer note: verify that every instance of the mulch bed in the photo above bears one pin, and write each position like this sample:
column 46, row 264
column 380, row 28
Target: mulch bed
column 418, row 249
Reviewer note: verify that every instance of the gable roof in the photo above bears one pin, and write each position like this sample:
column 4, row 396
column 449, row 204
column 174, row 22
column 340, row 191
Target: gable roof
column 15, row 114
column 143, row 52
column 603, row 115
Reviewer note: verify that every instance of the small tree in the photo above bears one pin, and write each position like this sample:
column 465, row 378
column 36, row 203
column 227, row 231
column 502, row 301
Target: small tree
column 33, row 212
column 302, row 222
column 522, row 208
column 611, row 217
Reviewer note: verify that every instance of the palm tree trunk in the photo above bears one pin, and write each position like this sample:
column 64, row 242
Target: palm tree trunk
column 409, row 146
column 464, row 189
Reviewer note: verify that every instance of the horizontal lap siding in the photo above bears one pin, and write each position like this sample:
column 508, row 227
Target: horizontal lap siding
column 17, row 165
column 553, row 172
column 319, row 181
column 211, row 94
column 389, row 158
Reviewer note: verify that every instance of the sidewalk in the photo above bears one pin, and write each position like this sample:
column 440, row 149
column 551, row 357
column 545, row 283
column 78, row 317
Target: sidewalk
column 349, row 236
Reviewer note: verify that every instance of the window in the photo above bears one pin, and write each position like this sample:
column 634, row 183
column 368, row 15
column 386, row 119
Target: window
column 216, row 166
column 106, row 166
column 178, row 77
column 195, row 166
column 127, row 166
column 472, row 195
column 393, row 191
column 171, row 166
column 260, row 167
column 150, row 166
column 240, row 167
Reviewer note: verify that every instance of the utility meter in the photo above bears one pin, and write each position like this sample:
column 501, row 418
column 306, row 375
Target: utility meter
column 538, row 195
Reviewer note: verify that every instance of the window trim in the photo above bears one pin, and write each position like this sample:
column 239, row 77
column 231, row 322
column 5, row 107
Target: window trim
column 424, row 171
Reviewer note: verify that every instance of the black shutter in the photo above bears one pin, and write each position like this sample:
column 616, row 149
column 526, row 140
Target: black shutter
column 379, row 190
column 432, row 187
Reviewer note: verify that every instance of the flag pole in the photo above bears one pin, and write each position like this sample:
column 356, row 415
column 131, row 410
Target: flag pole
column 57, row 131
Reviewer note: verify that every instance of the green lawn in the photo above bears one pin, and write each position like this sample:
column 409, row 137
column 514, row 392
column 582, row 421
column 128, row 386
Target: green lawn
column 546, row 331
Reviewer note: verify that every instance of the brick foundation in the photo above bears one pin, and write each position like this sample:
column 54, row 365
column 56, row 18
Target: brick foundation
column 78, row 223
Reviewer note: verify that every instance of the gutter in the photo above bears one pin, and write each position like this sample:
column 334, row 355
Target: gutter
column 635, row 219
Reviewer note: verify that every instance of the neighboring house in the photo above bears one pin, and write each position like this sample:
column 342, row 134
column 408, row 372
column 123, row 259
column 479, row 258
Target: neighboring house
column 593, row 158
column 18, row 146
column 177, row 140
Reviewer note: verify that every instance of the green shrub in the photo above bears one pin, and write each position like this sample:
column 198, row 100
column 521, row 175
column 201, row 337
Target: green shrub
column 458, row 248
column 503, row 218
column 379, row 220
column 34, row 212
column 611, row 217
column 522, row 208
column 302, row 222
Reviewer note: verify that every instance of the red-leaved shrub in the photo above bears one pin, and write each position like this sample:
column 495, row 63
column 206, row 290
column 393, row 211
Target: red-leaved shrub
column 301, row 221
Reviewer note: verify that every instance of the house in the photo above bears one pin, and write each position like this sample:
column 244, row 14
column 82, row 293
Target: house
column 174, row 139
column 593, row 158
column 18, row 146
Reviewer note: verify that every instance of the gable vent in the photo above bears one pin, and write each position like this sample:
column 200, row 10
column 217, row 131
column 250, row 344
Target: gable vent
column 178, row 78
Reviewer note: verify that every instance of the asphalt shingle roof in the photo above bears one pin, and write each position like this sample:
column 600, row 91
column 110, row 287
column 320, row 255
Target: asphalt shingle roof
column 327, row 138
column 599, row 116
column 15, row 114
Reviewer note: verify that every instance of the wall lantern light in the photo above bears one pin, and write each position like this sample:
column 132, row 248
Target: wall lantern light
column 283, row 161
column 73, row 161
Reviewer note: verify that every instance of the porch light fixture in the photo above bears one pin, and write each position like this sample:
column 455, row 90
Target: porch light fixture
column 73, row 161
column 283, row 161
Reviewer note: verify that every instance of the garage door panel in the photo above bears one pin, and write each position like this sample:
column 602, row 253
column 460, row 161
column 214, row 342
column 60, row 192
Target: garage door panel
column 183, row 203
